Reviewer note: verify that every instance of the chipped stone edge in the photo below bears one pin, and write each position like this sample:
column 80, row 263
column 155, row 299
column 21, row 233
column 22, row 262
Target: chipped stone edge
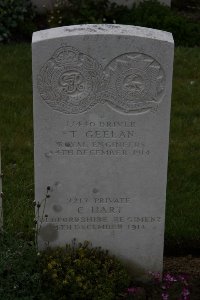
column 102, row 29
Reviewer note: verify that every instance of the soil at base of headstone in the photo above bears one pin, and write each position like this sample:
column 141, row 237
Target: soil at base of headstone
column 186, row 265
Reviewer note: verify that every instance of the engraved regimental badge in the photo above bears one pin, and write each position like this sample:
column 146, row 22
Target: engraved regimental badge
column 68, row 81
column 72, row 82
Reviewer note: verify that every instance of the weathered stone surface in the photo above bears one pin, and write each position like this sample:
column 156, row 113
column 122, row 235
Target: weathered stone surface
column 101, row 124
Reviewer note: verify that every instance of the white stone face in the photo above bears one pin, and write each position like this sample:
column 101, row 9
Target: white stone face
column 101, row 124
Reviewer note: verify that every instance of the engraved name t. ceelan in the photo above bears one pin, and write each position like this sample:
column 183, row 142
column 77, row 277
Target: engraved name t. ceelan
column 72, row 82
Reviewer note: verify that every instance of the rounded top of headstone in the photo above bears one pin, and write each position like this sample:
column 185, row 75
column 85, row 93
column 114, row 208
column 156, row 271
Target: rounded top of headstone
column 102, row 29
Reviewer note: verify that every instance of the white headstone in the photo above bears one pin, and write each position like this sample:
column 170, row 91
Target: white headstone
column 101, row 124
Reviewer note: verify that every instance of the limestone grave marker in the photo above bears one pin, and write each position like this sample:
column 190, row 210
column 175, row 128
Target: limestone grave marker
column 102, row 98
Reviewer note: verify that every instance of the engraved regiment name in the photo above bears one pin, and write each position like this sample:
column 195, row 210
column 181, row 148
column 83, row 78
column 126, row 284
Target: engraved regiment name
column 72, row 82
column 97, row 213
column 99, row 138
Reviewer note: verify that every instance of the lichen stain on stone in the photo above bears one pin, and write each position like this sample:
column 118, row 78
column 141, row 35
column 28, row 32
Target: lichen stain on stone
column 49, row 233
column 48, row 154
column 95, row 191
column 57, row 208
column 57, row 185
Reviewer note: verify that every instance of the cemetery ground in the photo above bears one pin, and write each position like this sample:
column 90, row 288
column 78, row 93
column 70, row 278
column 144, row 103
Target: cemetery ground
column 182, row 233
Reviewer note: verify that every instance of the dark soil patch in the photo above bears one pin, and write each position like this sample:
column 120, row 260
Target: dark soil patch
column 186, row 265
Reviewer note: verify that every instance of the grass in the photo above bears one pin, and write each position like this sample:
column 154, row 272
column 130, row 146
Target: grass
column 183, row 193
column 79, row 271
column 16, row 137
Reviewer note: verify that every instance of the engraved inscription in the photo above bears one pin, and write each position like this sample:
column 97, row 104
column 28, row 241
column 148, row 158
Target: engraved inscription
column 100, row 138
column 134, row 82
column 103, row 222
column 73, row 82
column 68, row 81
column 98, row 213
